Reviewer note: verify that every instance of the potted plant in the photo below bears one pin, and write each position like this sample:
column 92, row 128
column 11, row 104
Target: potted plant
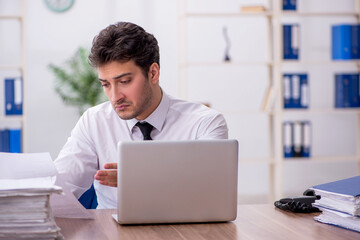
column 77, row 83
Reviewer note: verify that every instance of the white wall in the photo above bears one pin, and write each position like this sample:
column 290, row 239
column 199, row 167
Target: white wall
column 54, row 37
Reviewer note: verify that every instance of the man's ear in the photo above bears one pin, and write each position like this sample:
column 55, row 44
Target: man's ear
column 154, row 73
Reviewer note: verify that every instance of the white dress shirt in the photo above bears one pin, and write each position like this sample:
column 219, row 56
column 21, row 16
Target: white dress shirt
column 93, row 141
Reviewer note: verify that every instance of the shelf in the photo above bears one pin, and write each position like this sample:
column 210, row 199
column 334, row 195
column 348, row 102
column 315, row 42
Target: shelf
column 320, row 62
column 11, row 67
column 321, row 159
column 317, row 14
column 13, row 17
column 274, row 66
column 12, row 118
column 271, row 14
column 270, row 63
column 222, row 63
column 309, row 111
column 255, row 160
column 321, row 111
column 244, row 112
column 15, row 69
column 234, row 14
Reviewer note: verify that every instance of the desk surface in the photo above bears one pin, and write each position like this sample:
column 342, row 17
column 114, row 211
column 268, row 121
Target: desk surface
column 253, row 222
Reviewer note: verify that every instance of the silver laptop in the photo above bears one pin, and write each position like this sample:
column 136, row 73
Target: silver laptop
column 177, row 181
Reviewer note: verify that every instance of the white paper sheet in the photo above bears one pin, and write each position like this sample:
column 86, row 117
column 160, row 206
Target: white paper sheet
column 37, row 171
column 29, row 183
column 66, row 205
column 26, row 165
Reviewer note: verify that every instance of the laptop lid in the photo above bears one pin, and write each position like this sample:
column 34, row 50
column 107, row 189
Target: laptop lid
column 177, row 181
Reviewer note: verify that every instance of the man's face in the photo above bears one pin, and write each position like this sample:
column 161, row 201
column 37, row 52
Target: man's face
column 129, row 91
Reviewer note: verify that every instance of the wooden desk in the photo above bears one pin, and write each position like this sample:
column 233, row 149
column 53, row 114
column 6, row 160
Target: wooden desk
column 263, row 222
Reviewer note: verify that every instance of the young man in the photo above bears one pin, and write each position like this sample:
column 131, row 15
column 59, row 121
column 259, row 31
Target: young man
column 128, row 64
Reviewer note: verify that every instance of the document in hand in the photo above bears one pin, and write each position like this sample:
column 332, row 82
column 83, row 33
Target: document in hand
column 25, row 211
column 340, row 203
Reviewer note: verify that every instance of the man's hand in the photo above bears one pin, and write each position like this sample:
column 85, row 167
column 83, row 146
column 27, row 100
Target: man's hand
column 107, row 177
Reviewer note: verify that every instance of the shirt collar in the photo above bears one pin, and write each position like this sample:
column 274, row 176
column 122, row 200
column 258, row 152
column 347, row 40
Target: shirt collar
column 157, row 117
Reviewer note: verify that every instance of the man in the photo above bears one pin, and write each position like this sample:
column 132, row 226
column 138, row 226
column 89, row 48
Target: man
column 128, row 64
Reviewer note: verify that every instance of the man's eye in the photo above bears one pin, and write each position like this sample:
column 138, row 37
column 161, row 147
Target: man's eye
column 125, row 81
column 104, row 84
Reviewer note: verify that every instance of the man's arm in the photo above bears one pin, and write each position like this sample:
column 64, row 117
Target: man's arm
column 78, row 159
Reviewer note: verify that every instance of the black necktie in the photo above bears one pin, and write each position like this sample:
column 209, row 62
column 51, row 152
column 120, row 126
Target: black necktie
column 145, row 128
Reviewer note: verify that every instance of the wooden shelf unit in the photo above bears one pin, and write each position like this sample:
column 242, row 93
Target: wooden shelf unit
column 274, row 110
column 20, row 68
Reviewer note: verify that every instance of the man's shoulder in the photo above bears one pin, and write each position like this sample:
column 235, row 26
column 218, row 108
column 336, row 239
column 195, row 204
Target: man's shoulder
column 102, row 108
column 205, row 121
column 100, row 111
column 188, row 107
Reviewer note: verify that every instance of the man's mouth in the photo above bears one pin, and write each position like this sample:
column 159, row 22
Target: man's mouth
column 121, row 107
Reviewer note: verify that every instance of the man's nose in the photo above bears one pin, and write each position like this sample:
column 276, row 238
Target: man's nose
column 116, row 95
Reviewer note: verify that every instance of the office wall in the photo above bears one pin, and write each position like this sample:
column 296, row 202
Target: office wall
column 54, row 37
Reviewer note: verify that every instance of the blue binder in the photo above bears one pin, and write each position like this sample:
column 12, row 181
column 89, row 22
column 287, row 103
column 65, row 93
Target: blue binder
column 1, row 140
column 287, row 90
column 354, row 93
column 339, row 203
column 304, row 91
column 289, row 4
column 296, row 90
column 288, row 139
column 348, row 186
column 5, row 135
column 297, row 142
column 345, row 41
column 347, row 93
column 355, row 42
column 297, row 139
column 13, row 96
column 306, row 139
column 15, row 140
column 291, row 35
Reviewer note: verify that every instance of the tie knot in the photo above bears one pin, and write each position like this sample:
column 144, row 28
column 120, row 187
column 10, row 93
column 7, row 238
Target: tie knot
column 145, row 129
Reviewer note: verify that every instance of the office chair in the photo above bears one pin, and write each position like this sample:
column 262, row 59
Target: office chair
column 89, row 198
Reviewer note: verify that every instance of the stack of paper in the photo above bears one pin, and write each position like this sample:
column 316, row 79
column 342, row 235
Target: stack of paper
column 25, row 211
column 340, row 203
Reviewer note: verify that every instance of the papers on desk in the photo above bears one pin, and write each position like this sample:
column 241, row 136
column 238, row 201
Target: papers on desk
column 340, row 203
column 26, row 183
column 15, row 168
column 339, row 219
column 26, row 165
column 25, row 212
column 66, row 205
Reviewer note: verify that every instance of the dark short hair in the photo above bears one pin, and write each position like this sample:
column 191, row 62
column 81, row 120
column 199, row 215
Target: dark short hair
column 122, row 42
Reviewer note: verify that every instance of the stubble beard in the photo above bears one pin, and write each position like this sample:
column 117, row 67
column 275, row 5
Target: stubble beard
column 143, row 104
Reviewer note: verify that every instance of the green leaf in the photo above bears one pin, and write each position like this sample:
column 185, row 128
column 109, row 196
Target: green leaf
column 77, row 82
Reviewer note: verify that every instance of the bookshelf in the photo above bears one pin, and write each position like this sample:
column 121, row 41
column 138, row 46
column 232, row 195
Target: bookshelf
column 12, row 61
column 270, row 109
column 279, row 114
